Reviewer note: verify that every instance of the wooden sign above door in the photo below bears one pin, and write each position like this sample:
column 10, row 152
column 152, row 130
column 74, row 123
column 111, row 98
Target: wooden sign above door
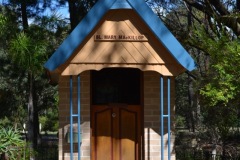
column 137, row 38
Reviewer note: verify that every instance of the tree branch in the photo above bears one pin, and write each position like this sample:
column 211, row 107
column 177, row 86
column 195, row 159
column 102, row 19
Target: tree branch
column 219, row 7
column 220, row 13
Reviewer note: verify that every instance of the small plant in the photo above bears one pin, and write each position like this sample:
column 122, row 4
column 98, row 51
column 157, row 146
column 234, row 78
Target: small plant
column 11, row 143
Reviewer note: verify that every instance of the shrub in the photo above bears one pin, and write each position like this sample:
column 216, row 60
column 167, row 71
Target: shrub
column 11, row 143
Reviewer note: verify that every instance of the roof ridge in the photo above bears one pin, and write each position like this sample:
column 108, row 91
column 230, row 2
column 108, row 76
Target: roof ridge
column 121, row 4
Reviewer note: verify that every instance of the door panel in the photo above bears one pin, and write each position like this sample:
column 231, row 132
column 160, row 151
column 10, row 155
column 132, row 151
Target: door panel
column 128, row 134
column 102, row 133
column 116, row 132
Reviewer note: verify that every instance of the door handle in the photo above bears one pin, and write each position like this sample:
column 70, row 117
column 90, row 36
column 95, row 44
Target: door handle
column 114, row 115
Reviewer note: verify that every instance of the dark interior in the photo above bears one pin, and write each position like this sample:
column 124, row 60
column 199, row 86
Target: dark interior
column 116, row 85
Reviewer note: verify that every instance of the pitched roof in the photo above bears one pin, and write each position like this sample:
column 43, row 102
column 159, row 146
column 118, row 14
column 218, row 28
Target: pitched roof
column 93, row 17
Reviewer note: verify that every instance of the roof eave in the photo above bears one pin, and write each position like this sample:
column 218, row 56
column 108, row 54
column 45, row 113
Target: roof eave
column 78, row 34
column 85, row 27
column 163, row 34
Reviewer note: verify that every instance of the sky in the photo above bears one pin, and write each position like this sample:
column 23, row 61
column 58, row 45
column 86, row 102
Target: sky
column 63, row 11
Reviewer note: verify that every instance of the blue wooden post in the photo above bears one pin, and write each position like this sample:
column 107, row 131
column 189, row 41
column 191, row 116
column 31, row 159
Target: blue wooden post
column 162, row 114
column 168, row 116
column 71, row 118
column 79, row 118
column 78, row 115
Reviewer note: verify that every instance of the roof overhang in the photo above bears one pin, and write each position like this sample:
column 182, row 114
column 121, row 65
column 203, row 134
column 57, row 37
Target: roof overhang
column 57, row 63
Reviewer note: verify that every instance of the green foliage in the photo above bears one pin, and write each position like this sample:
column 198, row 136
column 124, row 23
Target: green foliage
column 3, row 22
column 180, row 121
column 221, row 86
column 49, row 120
column 221, row 122
column 10, row 143
column 22, row 52
column 28, row 52
column 7, row 26
column 5, row 122
column 224, row 85
column 183, row 109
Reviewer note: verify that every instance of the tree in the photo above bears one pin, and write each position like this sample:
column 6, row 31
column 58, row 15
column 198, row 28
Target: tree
column 225, row 13
column 206, row 34
column 8, row 75
column 215, row 35
column 221, row 44
column 78, row 9
column 179, row 21
column 28, row 53
column 24, row 50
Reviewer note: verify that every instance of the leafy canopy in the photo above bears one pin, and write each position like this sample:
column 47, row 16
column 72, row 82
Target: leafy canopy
column 221, row 86
column 27, row 52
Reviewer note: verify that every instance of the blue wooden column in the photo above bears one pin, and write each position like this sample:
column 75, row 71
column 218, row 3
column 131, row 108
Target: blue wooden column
column 167, row 116
column 77, row 115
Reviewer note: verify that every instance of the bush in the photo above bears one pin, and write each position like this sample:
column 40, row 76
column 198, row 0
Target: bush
column 11, row 143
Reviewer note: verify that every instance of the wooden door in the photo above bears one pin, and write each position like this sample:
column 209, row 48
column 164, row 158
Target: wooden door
column 116, row 132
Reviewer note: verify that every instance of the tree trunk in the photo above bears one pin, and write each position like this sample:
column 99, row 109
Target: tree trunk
column 190, row 82
column 4, row 156
column 36, row 119
column 72, row 11
column 77, row 10
column 189, row 17
column 24, row 14
column 33, row 126
column 191, row 102
column 238, row 5
column 31, row 118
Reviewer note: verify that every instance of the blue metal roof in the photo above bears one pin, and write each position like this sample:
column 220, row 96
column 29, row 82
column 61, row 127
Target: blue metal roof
column 121, row 4
column 89, row 22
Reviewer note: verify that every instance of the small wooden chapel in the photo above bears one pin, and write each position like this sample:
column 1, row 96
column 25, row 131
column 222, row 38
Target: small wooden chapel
column 116, row 75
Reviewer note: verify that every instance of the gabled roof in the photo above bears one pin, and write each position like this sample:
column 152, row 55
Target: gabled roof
column 84, row 28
